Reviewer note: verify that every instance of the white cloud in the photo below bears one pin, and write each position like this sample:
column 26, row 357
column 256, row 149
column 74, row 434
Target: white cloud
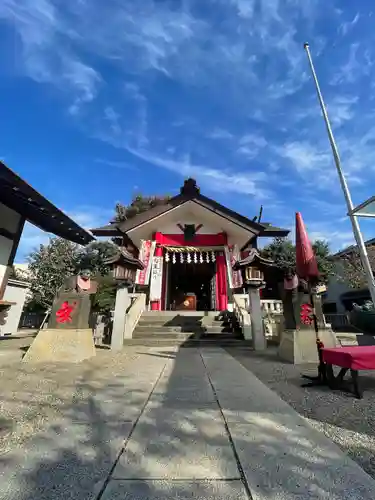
column 220, row 180
column 305, row 156
column 166, row 37
column 345, row 27
column 244, row 60
column 341, row 109
column 46, row 55
column 86, row 216
column 32, row 237
column 117, row 164
column 219, row 133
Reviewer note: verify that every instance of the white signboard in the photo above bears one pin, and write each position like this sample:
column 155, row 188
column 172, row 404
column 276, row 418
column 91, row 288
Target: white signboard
column 229, row 269
column 156, row 278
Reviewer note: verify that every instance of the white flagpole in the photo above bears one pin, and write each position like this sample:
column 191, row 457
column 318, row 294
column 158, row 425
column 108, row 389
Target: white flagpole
column 355, row 225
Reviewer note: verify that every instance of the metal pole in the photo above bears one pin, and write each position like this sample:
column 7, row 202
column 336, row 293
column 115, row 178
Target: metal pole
column 356, row 230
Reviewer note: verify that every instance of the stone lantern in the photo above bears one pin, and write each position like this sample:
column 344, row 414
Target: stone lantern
column 124, row 268
column 252, row 268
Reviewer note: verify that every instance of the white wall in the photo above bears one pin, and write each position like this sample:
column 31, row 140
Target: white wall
column 9, row 220
column 5, row 249
column 335, row 288
column 172, row 228
column 15, row 291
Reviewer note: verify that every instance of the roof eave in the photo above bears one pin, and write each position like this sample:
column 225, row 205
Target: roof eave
column 19, row 196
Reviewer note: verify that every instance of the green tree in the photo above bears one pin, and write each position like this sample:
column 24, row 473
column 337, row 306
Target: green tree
column 283, row 252
column 94, row 255
column 48, row 267
column 52, row 263
column 138, row 205
column 326, row 265
column 104, row 299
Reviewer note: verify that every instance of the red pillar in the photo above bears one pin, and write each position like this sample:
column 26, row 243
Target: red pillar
column 221, row 283
column 156, row 304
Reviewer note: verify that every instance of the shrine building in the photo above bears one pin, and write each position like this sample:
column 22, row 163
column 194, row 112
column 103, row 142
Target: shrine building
column 188, row 247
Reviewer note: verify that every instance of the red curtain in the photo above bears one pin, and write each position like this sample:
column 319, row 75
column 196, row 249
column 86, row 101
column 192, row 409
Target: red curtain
column 221, row 283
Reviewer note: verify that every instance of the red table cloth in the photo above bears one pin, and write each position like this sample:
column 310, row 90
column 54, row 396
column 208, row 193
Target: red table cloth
column 356, row 357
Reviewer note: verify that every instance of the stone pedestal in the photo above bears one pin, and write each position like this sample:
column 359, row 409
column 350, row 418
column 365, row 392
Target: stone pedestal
column 51, row 345
column 68, row 336
column 299, row 346
column 119, row 319
column 257, row 328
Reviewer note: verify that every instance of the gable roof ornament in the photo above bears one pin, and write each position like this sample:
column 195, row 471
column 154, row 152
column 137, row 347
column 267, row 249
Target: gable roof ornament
column 190, row 188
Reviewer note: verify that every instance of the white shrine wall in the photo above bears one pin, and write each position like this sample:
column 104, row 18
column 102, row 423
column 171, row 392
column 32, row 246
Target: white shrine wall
column 9, row 221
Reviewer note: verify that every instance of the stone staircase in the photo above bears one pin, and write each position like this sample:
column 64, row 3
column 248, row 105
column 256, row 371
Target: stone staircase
column 186, row 329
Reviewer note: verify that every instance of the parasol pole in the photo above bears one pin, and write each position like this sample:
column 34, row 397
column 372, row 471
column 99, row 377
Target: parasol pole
column 355, row 225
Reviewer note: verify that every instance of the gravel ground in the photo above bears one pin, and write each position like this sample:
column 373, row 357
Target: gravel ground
column 349, row 422
column 33, row 395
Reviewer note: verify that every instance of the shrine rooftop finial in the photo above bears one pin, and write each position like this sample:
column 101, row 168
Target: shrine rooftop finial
column 190, row 188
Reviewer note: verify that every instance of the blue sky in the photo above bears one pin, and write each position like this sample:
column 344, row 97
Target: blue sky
column 102, row 99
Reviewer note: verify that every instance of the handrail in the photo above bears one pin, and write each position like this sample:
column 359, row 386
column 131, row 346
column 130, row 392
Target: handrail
column 240, row 309
column 133, row 314
column 272, row 306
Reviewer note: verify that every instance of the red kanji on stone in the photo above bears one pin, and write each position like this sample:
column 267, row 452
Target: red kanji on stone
column 64, row 314
column 306, row 314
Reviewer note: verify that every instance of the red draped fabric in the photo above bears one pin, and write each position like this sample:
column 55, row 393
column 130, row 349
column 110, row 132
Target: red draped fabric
column 163, row 305
column 307, row 266
column 355, row 358
column 221, row 283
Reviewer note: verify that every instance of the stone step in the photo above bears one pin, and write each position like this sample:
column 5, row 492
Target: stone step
column 182, row 328
column 179, row 322
column 187, row 343
column 206, row 315
column 186, row 335
column 182, row 313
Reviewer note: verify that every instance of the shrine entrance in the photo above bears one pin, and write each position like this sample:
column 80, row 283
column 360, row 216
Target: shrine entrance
column 191, row 286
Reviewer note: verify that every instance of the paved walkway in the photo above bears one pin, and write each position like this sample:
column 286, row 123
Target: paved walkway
column 180, row 425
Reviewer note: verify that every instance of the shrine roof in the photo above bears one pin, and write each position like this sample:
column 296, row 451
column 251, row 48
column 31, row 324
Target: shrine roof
column 122, row 256
column 352, row 248
column 253, row 257
column 18, row 195
column 190, row 193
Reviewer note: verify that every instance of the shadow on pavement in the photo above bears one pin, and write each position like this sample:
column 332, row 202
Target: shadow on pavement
column 115, row 440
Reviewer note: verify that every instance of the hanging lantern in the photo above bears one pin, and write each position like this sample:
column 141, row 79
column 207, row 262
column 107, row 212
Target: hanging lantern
column 207, row 257
column 188, row 258
column 173, row 258
column 213, row 256
column 201, row 257
column 167, row 258
column 181, row 258
column 195, row 257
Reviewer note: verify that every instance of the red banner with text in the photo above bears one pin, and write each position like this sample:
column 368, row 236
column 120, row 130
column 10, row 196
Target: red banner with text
column 145, row 256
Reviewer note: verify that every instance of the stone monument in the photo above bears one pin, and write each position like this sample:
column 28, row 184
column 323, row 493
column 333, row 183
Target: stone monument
column 298, row 340
column 68, row 336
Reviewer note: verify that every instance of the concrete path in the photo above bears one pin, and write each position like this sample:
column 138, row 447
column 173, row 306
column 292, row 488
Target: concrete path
column 180, row 425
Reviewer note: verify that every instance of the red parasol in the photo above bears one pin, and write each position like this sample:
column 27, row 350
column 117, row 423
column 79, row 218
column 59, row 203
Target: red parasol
column 307, row 267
